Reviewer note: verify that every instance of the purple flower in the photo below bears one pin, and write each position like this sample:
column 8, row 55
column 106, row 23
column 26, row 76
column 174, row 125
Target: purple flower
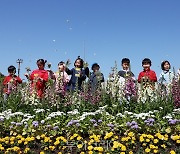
column 95, row 125
column 35, row 123
column 48, row 126
column 128, row 124
column 92, row 120
column 133, row 123
column 135, row 127
column 10, row 127
column 149, row 121
column 13, row 123
column 26, row 126
column 110, row 125
column 99, row 121
column 72, row 122
column 172, row 122
column 18, row 124
column 55, row 127
column 1, row 119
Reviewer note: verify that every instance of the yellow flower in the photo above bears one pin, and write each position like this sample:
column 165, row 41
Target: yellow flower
column 100, row 149
column 156, row 141
column 16, row 148
column 168, row 130
column 131, row 134
column 43, row 136
column 42, row 152
column 172, row 152
column 176, row 137
column 155, row 151
column 25, row 143
column 26, row 150
column 141, row 139
column 57, row 142
column 144, row 144
column 147, row 140
column 46, row 148
column 90, row 148
column 59, row 152
column 79, row 138
column 147, row 150
column 52, row 148
column 2, row 148
column 79, row 146
column 130, row 152
column 123, row 148
column 152, row 146
column 19, row 141
column 163, row 146
column 122, row 153
column 82, row 153
column 12, row 138
column 178, row 141
column 90, row 152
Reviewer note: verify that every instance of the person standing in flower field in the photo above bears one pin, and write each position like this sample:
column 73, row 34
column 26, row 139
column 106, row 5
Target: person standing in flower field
column 147, row 78
column 127, row 79
column 61, row 79
column 78, row 75
column 38, row 78
column 147, row 75
column 10, row 82
column 166, row 76
column 96, row 77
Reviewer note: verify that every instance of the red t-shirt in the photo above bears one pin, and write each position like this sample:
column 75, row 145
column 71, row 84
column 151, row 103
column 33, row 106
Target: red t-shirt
column 39, row 78
column 149, row 73
column 14, row 81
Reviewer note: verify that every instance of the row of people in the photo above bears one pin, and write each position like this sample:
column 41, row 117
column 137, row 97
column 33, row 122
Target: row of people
column 63, row 82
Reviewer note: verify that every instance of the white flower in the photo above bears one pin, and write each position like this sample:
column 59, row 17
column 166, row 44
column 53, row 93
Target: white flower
column 74, row 112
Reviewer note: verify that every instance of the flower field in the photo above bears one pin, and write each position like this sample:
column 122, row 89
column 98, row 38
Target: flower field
column 110, row 120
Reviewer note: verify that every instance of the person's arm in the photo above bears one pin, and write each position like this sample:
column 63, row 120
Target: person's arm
column 139, row 77
column 83, row 75
column 18, row 80
column 5, row 81
column 153, row 76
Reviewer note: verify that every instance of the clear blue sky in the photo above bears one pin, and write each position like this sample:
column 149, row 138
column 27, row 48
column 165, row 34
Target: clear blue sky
column 111, row 29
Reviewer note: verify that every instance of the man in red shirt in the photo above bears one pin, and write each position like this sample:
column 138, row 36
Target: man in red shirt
column 10, row 82
column 147, row 74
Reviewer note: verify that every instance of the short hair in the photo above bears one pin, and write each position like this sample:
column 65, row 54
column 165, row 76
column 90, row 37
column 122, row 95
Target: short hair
column 163, row 63
column 146, row 61
column 95, row 65
column 81, row 62
column 61, row 63
column 42, row 61
column 12, row 69
column 125, row 60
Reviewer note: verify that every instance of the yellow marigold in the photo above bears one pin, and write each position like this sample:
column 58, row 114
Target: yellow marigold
column 75, row 135
column 43, row 136
column 79, row 146
column 131, row 134
column 46, row 139
column 152, row 146
column 176, row 137
column 150, row 136
column 90, row 148
column 19, row 141
column 7, row 142
column 156, row 141
column 155, row 151
column 172, row 152
column 178, row 141
column 12, row 138
column 46, row 148
column 19, row 136
column 144, row 144
column 122, row 153
column 26, row 150
column 79, row 138
column 6, row 138
column 163, row 146
column 90, row 152
column 82, row 153
column 57, row 142
column 25, row 143
column 100, row 149
column 52, row 148
column 16, row 148
column 12, row 142
column 168, row 130
column 59, row 152
column 108, row 135
column 42, row 152
column 141, row 139
column 123, row 148
column 130, row 152
column 147, row 150
column 147, row 140
column 2, row 148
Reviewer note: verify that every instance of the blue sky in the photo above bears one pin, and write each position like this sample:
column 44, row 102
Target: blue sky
column 107, row 30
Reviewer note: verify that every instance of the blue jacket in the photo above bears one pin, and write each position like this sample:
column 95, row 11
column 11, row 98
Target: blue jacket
column 166, row 77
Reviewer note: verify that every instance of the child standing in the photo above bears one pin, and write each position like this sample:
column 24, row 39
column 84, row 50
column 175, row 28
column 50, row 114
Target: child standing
column 96, row 77
column 166, row 75
column 10, row 82
column 61, row 78
column 147, row 74
column 38, row 78
column 125, row 72
column 78, row 75
column 147, row 78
